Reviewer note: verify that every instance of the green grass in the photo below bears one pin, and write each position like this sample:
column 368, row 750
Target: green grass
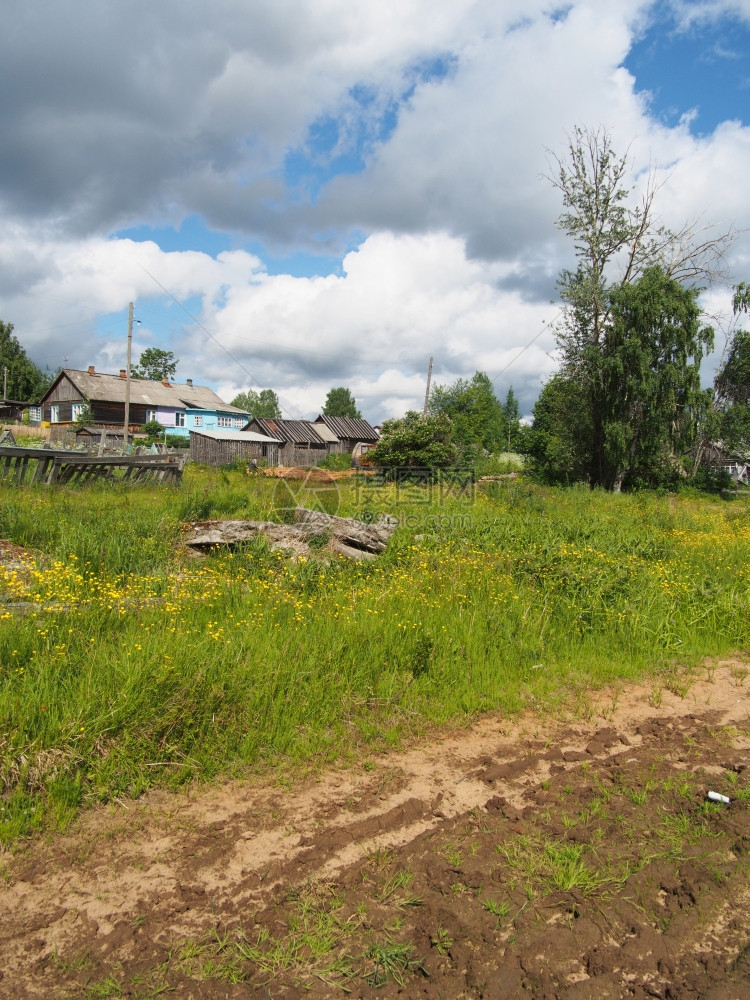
column 125, row 663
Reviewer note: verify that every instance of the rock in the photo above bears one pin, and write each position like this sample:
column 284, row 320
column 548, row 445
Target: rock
column 357, row 534
column 347, row 537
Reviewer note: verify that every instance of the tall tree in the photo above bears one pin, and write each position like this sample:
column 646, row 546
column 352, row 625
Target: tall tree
column 617, row 246
column 512, row 414
column 732, row 383
column 258, row 404
column 649, row 398
column 155, row 365
column 557, row 442
column 475, row 413
column 340, row 403
column 23, row 380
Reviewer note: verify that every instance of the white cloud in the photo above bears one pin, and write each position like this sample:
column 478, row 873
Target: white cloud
column 399, row 300
column 139, row 113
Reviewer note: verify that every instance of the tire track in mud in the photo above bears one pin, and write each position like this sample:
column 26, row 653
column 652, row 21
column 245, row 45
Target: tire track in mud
column 178, row 863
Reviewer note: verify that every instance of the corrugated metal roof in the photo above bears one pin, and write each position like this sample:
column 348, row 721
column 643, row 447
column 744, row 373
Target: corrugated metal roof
column 293, row 431
column 237, row 436
column 349, row 427
column 111, row 389
column 326, row 433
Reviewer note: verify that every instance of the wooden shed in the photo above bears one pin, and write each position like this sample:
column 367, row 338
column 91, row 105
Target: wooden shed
column 224, row 447
column 343, row 433
column 299, row 442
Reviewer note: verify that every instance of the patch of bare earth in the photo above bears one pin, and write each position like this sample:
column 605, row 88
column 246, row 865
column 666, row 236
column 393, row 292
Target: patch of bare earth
column 539, row 857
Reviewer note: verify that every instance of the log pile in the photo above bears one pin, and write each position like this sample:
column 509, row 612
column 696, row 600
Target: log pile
column 344, row 536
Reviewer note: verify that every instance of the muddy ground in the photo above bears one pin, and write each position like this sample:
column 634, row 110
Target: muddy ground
column 542, row 857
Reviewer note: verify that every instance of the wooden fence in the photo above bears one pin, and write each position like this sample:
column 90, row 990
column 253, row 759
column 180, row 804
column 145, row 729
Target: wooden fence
column 42, row 465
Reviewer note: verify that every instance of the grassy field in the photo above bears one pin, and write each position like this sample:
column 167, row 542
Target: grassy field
column 126, row 663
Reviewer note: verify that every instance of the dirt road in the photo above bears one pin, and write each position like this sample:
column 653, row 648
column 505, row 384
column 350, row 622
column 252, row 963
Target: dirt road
column 540, row 857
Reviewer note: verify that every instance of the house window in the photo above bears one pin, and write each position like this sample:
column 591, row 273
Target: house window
column 54, row 414
column 239, row 423
column 224, row 421
column 150, row 415
column 198, row 421
column 179, row 419
column 35, row 414
column 77, row 410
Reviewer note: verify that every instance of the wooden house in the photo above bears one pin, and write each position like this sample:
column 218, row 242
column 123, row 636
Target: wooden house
column 736, row 463
column 11, row 410
column 101, row 399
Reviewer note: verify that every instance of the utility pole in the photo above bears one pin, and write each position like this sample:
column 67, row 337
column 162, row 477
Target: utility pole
column 127, row 380
column 427, row 393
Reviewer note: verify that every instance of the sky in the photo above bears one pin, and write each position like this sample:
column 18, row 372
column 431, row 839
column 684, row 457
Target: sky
column 302, row 194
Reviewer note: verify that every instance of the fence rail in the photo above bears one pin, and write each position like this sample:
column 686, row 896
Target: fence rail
column 47, row 466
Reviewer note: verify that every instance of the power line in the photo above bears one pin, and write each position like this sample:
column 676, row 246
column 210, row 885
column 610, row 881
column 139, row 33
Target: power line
column 211, row 336
column 337, row 356
column 527, row 346
column 194, row 319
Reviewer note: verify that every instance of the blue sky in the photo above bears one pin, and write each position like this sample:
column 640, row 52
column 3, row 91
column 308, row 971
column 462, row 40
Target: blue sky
column 335, row 196
column 701, row 71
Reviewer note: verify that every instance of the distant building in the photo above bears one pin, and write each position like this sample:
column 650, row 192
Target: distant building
column 223, row 447
column 179, row 408
column 343, row 433
column 300, row 443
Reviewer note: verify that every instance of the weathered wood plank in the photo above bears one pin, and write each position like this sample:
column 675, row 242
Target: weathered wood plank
column 51, row 466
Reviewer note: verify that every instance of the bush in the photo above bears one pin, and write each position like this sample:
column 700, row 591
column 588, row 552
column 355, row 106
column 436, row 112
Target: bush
column 711, row 480
column 336, row 461
column 177, row 441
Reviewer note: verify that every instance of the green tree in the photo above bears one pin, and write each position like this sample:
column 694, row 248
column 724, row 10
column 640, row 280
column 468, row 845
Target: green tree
column 732, row 383
column 258, row 404
column 512, row 414
column 155, row 365
column 619, row 247
column 649, row 400
column 475, row 413
column 153, row 430
column 741, row 298
column 557, row 445
column 340, row 403
column 23, row 380
column 416, row 441
column 639, row 403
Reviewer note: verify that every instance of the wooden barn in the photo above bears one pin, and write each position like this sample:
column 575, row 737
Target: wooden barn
column 224, row 447
column 300, row 444
column 343, row 433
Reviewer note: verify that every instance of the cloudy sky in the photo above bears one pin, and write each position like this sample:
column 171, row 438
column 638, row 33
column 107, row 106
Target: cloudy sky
column 301, row 194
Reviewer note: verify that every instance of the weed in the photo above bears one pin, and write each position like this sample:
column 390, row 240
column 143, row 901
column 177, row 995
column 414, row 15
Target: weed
column 442, row 941
column 399, row 880
column 497, row 909
column 104, row 989
column 739, row 675
column 380, row 858
column 390, row 961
